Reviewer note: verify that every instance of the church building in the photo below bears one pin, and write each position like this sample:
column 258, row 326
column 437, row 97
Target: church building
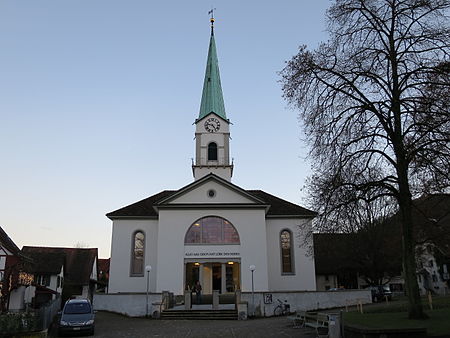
column 210, row 230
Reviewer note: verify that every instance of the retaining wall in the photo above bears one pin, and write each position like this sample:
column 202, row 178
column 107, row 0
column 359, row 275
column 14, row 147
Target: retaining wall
column 306, row 300
column 130, row 304
column 134, row 304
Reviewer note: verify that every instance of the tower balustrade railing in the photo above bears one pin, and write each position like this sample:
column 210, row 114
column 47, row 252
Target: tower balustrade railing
column 203, row 162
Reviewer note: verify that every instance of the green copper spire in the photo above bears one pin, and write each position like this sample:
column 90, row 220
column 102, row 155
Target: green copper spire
column 212, row 98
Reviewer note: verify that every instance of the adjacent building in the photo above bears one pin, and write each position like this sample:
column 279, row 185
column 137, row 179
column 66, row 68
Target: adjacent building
column 68, row 272
column 14, row 279
column 335, row 254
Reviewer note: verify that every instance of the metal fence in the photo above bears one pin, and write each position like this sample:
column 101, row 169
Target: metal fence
column 30, row 320
column 46, row 314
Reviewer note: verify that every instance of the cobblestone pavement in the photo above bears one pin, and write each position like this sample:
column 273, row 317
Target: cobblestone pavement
column 114, row 325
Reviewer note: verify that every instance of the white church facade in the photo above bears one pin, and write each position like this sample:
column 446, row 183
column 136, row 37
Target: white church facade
column 210, row 230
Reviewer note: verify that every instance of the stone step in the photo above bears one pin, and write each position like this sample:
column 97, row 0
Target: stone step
column 200, row 314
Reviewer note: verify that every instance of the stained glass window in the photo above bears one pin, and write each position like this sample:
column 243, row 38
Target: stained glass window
column 137, row 259
column 286, row 251
column 212, row 230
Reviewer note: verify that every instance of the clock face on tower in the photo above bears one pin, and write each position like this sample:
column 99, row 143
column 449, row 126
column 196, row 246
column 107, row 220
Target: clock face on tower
column 212, row 125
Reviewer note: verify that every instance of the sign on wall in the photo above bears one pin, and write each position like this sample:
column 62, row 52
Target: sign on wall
column 268, row 298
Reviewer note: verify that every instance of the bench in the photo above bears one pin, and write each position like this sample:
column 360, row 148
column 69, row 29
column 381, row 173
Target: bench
column 298, row 320
column 316, row 320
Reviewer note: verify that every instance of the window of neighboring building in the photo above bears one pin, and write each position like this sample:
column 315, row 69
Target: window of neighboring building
column 287, row 266
column 59, row 282
column 137, row 254
column 43, row 280
column 212, row 151
column 212, row 230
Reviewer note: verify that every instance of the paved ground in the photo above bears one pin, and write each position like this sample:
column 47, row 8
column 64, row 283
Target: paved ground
column 113, row 325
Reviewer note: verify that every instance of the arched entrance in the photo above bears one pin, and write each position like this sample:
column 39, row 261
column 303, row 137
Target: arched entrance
column 212, row 255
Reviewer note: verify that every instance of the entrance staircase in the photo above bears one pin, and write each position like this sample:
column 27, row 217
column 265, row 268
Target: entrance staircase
column 200, row 314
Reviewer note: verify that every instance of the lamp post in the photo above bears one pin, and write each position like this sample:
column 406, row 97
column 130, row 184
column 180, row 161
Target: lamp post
column 252, row 269
column 148, row 268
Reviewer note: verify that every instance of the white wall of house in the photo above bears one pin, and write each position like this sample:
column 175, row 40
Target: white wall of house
column 326, row 282
column 94, row 270
column 17, row 299
column 4, row 253
column 121, row 249
column 303, row 277
column 427, row 262
column 54, row 281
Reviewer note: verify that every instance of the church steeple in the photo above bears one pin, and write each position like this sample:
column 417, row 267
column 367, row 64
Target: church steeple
column 212, row 97
column 212, row 130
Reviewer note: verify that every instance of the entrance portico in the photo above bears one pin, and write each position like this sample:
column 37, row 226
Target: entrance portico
column 222, row 275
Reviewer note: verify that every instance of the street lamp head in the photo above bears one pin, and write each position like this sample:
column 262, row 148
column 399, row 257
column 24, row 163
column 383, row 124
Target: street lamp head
column 148, row 268
column 252, row 267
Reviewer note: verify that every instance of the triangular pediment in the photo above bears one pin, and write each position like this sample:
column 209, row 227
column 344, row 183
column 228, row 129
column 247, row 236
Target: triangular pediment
column 211, row 189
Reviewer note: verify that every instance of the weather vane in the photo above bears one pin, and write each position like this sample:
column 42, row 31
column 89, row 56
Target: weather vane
column 212, row 20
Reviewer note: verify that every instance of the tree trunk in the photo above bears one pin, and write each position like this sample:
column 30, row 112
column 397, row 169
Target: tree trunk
column 415, row 308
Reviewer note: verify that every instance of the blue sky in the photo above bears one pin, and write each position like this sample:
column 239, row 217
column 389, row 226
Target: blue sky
column 98, row 97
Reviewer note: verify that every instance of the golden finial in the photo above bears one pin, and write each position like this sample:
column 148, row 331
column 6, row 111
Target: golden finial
column 212, row 20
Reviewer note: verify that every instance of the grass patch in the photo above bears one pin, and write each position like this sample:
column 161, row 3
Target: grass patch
column 394, row 315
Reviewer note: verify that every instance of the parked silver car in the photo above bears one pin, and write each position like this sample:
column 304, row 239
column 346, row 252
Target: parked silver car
column 77, row 316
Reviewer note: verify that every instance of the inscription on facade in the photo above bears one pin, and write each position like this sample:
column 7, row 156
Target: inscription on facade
column 213, row 254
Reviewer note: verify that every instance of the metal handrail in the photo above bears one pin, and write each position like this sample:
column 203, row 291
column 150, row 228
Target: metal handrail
column 162, row 302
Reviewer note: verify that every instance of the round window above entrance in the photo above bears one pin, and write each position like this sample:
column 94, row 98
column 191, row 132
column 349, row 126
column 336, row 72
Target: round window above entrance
column 212, row 230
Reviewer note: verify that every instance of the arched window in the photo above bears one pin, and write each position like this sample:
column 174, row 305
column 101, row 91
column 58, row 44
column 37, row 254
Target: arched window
column 212, row 230
column 212, row 151
column 287, row 263
column 137, row 254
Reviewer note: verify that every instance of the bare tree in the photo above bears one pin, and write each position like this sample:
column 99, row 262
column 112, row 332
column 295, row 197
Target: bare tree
column 361, row 100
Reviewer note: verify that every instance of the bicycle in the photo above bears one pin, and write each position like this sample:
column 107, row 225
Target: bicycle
column 282, row 309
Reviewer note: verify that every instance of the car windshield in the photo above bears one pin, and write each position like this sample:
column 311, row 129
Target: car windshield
column 77, row 308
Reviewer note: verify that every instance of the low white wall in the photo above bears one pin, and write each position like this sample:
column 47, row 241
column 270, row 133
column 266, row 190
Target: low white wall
column 130, row 304
column 307, row 300
column 17, row 299
column 134, row 304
